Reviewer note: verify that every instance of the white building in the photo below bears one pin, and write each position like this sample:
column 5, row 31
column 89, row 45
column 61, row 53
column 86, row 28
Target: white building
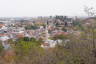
column 48, row 43
column 4, row 39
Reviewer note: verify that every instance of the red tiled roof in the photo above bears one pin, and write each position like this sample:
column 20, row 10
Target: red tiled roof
column 61, row 33
column 45, row 44
column 3, row 34
column 1, row 25
column 20, row 35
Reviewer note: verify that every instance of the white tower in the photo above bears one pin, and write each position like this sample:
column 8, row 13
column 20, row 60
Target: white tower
column 46, row 34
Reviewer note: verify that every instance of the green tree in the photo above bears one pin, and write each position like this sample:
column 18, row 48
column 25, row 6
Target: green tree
column 1, row 47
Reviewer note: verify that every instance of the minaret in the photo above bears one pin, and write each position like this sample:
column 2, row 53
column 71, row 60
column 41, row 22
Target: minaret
column 46, row 33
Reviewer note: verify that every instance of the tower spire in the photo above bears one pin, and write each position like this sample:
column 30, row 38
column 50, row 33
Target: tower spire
column 46, row 32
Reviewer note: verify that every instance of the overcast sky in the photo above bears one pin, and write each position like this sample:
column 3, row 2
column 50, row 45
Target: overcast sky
column 24, row 8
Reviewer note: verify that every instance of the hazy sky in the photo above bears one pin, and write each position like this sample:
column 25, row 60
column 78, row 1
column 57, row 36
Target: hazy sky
column 24, row 8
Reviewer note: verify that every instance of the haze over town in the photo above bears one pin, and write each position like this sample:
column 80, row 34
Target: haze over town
column 31, row 8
